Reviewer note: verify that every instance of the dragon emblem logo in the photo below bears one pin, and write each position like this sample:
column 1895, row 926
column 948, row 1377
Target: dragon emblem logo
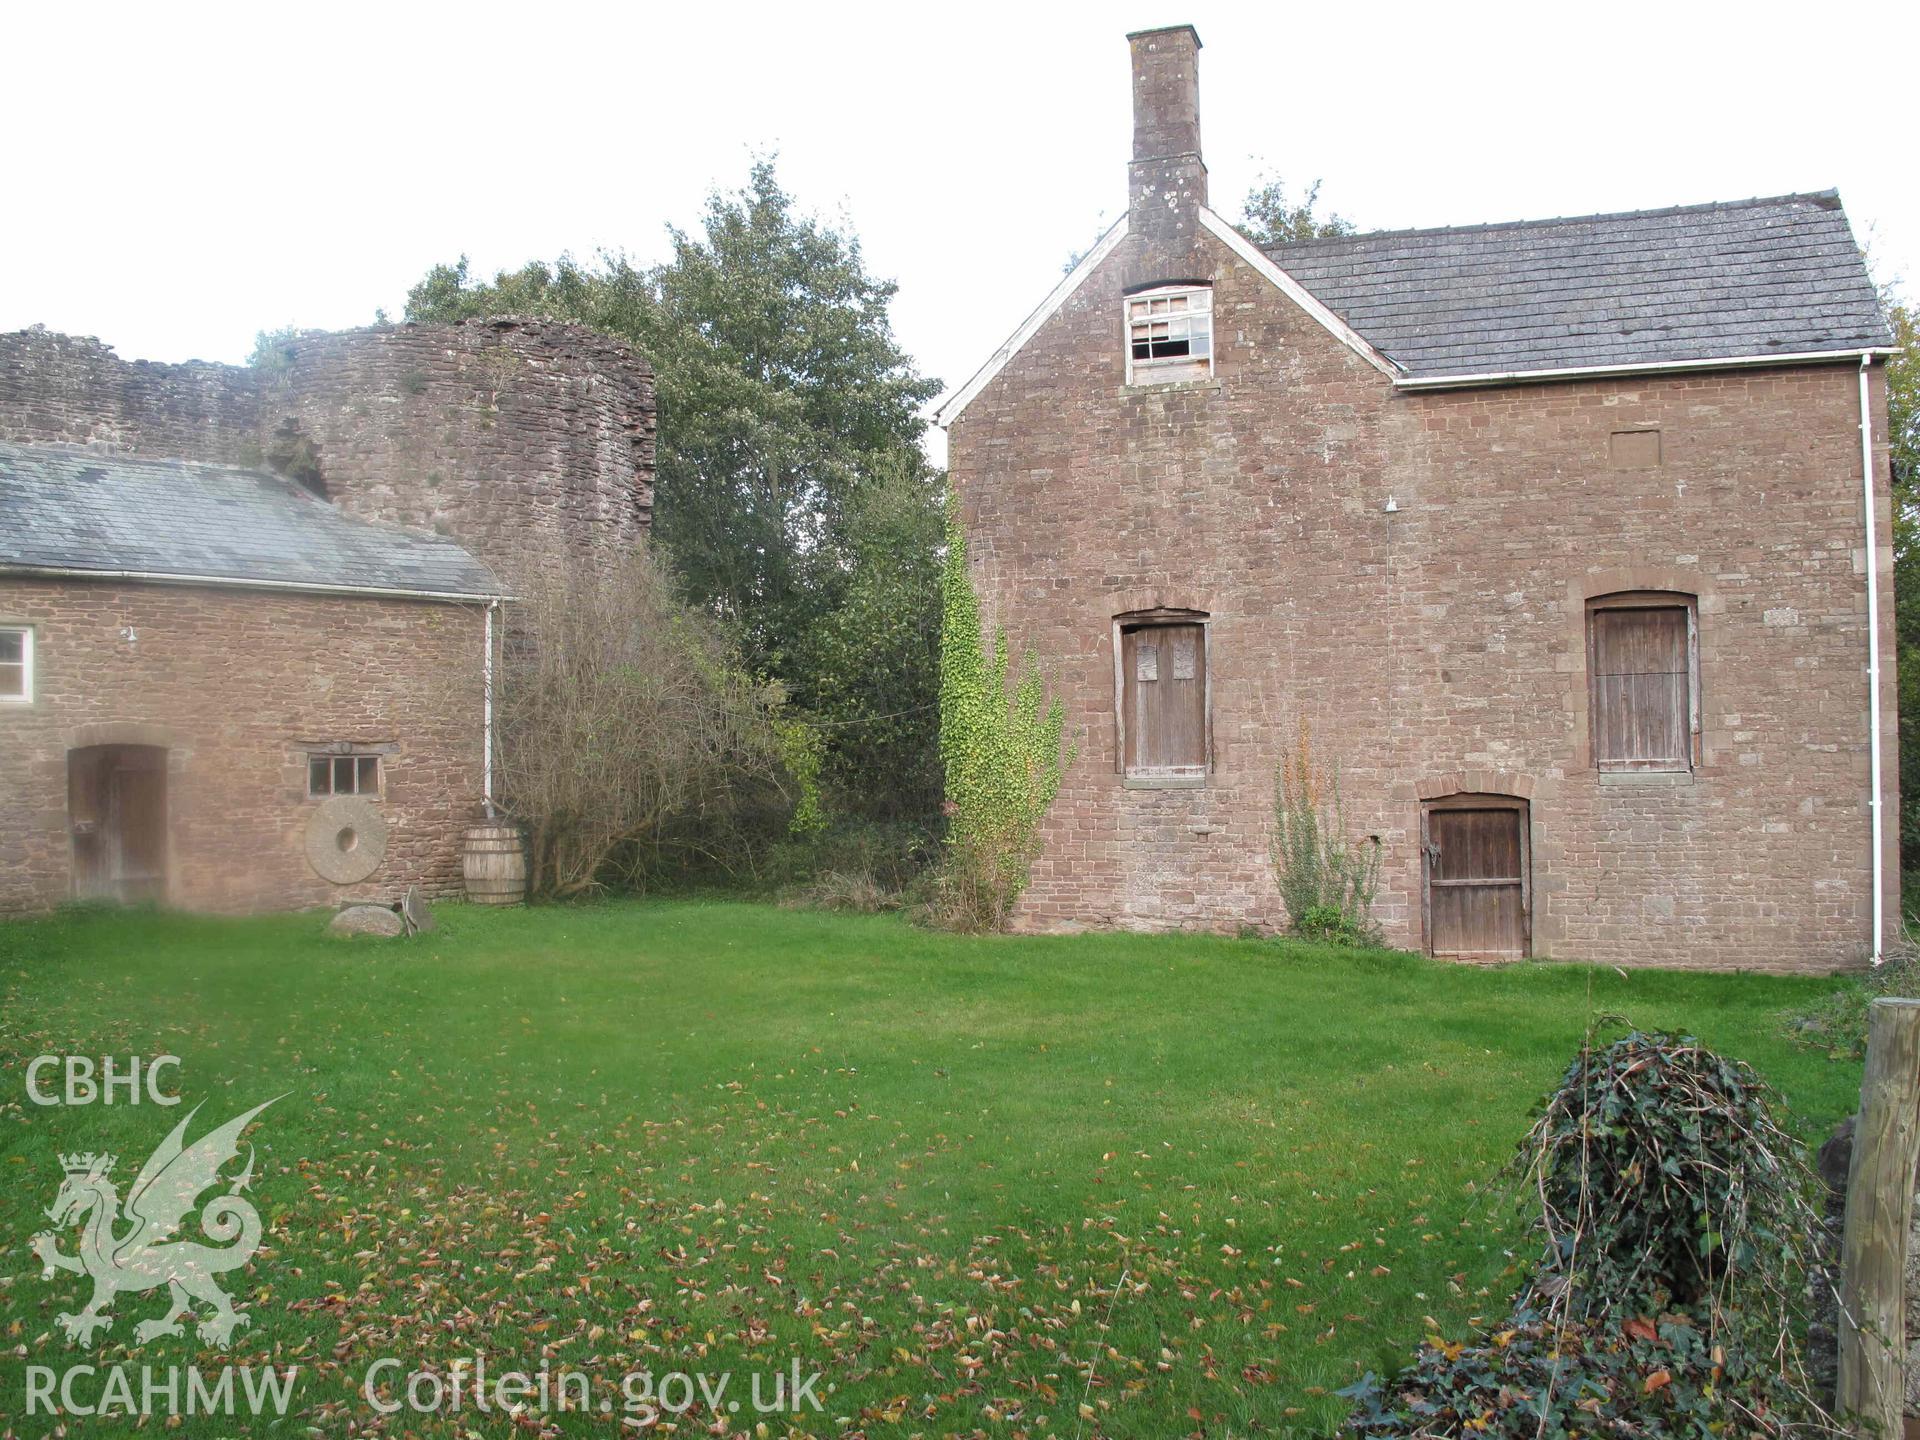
column 132, row 1247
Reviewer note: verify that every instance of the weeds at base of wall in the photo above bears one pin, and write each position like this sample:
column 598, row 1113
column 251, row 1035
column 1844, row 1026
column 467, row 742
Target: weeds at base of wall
column 1838, row 1023
column 1326, row 879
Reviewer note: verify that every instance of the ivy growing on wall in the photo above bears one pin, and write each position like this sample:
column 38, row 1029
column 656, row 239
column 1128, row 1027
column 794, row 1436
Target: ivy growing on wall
column 1003, row 755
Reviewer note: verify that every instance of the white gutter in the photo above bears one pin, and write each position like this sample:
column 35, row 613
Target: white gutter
column 1651, row 367
column 486, row 723
column 1875, row 808
column 303, row 587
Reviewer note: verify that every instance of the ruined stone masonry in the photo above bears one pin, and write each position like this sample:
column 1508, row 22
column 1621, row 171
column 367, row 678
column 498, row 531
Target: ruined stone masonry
column 524, row 440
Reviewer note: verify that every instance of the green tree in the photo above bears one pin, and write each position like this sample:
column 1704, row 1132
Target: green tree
column 786, row 407
column 1270, row 216
column 873, row 662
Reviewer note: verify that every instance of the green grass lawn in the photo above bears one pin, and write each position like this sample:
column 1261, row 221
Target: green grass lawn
column 952, row 1175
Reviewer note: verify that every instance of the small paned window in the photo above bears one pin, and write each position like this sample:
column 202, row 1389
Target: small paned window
column 1170, row 334
column 16, row 665
column 343, row 775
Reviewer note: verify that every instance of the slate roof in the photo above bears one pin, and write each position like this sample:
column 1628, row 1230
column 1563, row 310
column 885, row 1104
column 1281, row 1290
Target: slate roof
column 77, row 509
column 1779, row 276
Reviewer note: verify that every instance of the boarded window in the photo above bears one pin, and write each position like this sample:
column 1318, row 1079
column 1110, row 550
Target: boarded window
column 1163, row 668
column 1642, row 662
column 16, row 665
column 343, row 775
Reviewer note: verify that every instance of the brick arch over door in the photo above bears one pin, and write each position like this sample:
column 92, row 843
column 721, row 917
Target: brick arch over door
column 1143, row 600
column 1514, row 783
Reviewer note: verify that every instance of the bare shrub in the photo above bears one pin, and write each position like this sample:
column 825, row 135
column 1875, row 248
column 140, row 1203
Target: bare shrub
column 1670, row 1287
column 620, row 712
column 856, row 891
column 1327, row 880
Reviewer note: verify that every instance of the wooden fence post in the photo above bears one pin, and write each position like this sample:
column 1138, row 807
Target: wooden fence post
column 1873, row 1246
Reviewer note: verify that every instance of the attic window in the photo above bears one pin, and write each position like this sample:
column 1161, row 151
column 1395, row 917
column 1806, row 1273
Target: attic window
column 1170, row 334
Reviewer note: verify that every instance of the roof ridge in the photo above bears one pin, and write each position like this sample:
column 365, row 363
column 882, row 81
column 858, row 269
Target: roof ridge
column 1828, row 199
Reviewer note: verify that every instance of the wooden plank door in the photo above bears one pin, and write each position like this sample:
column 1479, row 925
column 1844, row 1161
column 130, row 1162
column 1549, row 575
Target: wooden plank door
column 1642, row 689
column 137, row 823
column 87, row 821
column 1478, row 895
column 117, row 812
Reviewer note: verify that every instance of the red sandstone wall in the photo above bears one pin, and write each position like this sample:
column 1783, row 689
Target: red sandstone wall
column 70, row 389
column 1442, row 649
column 234, row 683
column 531, row 443
column 528, row 441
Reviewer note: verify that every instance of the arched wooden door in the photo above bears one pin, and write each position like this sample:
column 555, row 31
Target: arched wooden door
column 117, row 811
column 1478, row 900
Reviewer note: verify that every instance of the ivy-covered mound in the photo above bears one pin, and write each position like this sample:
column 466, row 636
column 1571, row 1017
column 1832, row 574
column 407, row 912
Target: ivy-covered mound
column 1675, row 1214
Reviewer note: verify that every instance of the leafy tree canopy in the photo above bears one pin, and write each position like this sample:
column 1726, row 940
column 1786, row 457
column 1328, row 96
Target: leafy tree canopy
column 1903, row 430
column 780, row 385
column 1270, row 215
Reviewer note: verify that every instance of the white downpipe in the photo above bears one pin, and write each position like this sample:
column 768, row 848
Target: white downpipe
column 1873, row 660
column 486, row 724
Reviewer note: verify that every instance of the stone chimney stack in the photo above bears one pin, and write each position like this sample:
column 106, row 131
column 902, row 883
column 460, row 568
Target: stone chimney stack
column 1167, row 181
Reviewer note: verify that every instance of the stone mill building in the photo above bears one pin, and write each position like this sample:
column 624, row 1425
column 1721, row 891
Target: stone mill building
column 1568, row 542
column 249, row 616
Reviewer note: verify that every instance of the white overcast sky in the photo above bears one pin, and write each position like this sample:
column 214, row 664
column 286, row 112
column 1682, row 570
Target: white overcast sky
column 175, row 177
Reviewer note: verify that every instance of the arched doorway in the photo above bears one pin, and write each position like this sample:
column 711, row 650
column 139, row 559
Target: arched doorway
column 1478, row 895
column 117, row 813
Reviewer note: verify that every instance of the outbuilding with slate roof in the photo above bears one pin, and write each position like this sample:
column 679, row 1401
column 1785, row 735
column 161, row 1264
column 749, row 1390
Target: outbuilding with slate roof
column 1565, row 543
column 221, row 691
column 251, row 616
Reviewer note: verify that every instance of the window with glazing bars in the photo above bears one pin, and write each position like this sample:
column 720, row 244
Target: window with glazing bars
column 1170, row 334
column 343, row 775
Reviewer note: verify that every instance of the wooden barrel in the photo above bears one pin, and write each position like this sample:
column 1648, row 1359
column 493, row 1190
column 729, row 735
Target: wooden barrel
column 495, row 864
